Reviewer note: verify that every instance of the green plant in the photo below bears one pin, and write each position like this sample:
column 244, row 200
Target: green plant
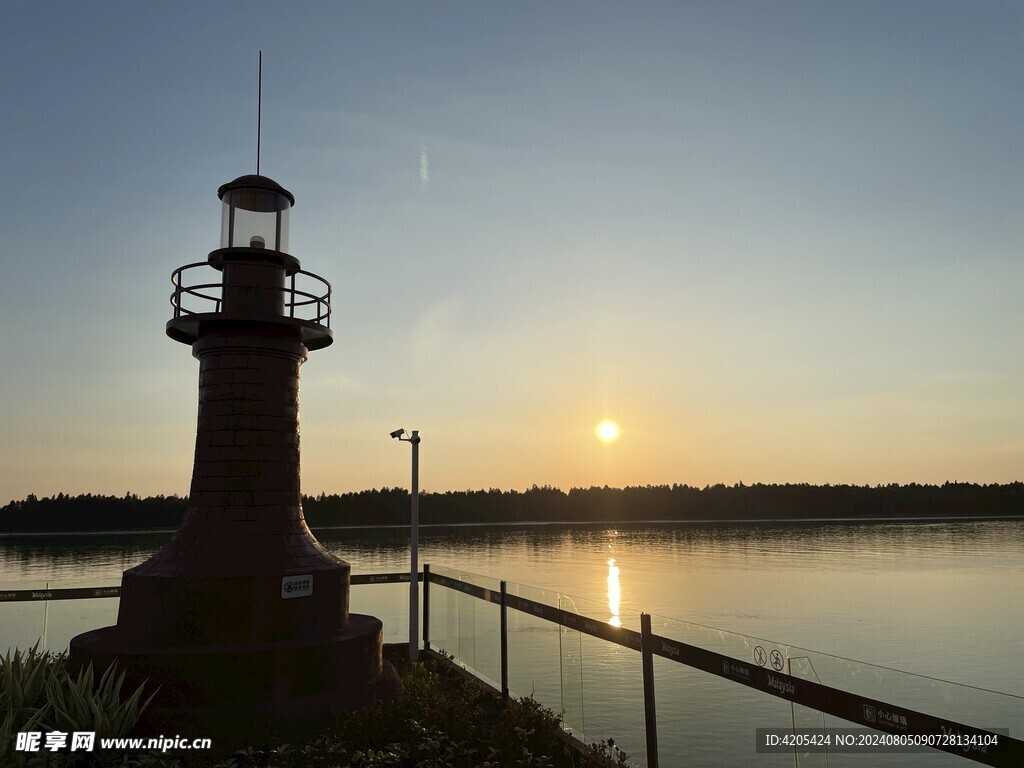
column 79, row 704
column 23, row 703
column 23, row 677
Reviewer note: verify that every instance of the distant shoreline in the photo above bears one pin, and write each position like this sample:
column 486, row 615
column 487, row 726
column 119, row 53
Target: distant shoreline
column 579, row 524
column 680, row 505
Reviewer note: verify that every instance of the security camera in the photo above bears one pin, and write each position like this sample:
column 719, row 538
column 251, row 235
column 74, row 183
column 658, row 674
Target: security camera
column 398, row 433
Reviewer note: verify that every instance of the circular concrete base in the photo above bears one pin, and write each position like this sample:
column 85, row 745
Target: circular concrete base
column 249, row 690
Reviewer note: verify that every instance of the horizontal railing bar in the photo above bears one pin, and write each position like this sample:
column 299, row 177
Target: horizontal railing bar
column 70, row 593
column 840, row 703
column 382, row 578
column 460, row 586
column 310, row 298
column 627, row 638
column 177, row 272
column 191, row 289
column 86, row 593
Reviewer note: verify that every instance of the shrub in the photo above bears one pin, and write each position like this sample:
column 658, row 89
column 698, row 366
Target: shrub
column 440, row 721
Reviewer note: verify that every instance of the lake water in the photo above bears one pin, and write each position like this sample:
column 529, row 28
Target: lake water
column 939, row 600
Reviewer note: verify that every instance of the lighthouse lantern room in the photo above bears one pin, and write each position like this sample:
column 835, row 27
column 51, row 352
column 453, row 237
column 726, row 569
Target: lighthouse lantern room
column 254, row 213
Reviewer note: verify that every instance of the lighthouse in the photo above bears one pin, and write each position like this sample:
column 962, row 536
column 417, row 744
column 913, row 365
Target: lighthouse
column 242, row 618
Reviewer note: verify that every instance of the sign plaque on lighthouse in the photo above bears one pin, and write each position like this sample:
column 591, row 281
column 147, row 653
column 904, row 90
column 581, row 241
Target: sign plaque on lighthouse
column 242, row 618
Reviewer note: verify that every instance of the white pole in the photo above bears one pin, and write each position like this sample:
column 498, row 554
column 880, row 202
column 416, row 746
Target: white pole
column 46, row 615
column 414, row 586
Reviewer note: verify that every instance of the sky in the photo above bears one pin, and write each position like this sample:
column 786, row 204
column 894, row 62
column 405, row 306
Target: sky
column 775, row 242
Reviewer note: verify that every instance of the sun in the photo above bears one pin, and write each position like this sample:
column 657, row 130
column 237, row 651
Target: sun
column 607, row 431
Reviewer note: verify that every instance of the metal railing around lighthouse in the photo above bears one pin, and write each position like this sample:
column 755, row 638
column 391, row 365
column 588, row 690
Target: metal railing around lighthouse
column 294, row 298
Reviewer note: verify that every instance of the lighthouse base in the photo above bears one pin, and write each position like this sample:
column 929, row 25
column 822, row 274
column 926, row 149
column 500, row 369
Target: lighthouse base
column 254, row 691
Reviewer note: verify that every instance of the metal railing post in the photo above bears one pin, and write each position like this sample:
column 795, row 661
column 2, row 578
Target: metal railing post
column 414, row 547
column 176, row 279
column 504, row 642
column 426, row 606
column 650, row 715
column 46, row 615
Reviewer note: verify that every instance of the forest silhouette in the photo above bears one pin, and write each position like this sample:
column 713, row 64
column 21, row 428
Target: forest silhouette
column 661, row 503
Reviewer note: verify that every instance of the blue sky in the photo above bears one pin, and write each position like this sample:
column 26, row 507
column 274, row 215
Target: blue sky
column 775, row 242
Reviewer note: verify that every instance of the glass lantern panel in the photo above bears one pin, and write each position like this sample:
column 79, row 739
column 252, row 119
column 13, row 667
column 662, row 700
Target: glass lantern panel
column 284, row 230
column 254, row 218
column 225, row 224
column 254, row 230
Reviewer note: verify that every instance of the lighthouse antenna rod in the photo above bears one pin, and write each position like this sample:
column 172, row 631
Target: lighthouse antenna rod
column 259, row 113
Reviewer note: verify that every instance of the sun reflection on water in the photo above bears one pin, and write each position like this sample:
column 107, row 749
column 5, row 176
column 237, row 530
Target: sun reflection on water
column 614, row 593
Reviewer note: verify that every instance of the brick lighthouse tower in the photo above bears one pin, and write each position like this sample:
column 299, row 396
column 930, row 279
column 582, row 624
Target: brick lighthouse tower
column 243, row 617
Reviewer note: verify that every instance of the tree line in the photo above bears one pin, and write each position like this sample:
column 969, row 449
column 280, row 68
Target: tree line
column 663, row 503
